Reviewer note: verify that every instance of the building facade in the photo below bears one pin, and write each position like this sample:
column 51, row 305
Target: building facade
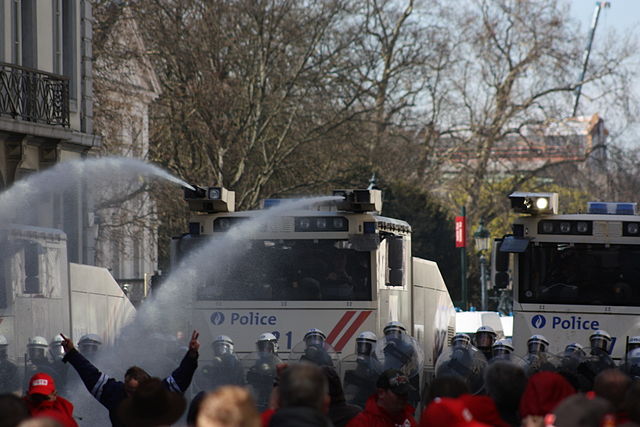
column 46, row 105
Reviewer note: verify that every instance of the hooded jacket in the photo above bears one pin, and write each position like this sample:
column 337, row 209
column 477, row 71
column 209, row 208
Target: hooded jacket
column 110, row 392
column 60, row 410
column 375, row 416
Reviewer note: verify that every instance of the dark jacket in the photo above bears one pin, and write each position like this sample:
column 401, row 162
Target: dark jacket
column 110, row 392
column 340, row 413
column 299, row 416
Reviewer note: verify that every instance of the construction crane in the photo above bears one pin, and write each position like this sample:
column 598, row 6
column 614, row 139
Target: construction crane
column 594, row 23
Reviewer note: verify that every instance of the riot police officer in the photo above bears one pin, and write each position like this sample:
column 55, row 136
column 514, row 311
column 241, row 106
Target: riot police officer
column 89, row 345
column 598, row 358
column 59, row 368
column 570, row 359
column 37, row 360
column 400, row 351
column 462, row 359
column 633, row 343
column 502, row 350
column 9, row 377
column 315, row 351
column 537, row 358
column 361, row 374
column 225, row 368
column 262, row 373
column 484, row 339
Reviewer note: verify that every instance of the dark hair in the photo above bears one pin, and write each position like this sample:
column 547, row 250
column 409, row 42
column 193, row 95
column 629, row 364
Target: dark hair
column 137, row 373
column 612, row 384
column 632, row 401
column 13, row 410
column 446, row 386
column 580, row 410
column 335, row 386
column 303, row 384
column 505, row 383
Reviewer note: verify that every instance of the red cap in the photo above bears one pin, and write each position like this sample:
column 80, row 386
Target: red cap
column 543, row 392
column 448, row 412
column 41, row 384
column 483, row 409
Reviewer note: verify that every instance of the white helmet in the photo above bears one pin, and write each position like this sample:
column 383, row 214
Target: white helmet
column 574, row 348
column 314, row 337
column 394, row 328
column 461, row 340
column 485, row 337
column 90, row 339
column 222, row 345
column 55, row 347
column 3, row 340
column 502, row 347
column 36, row 348
column 267, row 342
column 600, row 339
column 537, row 344
column 365, row 343
column 4, row 345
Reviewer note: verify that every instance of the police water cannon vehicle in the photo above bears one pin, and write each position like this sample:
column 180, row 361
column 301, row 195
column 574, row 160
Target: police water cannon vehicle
column 571, row 274
column 336, row 265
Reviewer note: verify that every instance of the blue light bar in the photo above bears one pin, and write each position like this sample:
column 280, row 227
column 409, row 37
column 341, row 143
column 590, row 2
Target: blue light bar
column 612, row 208
column 269, row 203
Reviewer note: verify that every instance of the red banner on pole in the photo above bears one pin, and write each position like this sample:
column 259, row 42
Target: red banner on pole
column 461, row 232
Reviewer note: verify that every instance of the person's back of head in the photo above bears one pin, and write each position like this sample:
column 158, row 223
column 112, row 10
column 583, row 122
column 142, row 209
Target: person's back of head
column 631, row 403
column 137, row 373
column 582, row 411
column 505, row 382
column 228, row 406
column 612, row 385
column 303, row 384
column 40, row 422
column 446, row 386
column 13, row 410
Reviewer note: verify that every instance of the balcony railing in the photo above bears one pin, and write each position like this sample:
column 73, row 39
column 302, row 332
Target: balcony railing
column 33, row 95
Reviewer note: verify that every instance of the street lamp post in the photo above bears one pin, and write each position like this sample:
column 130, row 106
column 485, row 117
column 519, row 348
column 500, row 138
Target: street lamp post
column 482, row 237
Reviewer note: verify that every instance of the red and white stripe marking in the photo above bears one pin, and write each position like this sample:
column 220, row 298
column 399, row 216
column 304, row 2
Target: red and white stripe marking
column 346, row 327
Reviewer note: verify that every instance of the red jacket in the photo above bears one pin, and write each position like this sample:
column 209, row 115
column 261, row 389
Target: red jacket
column 60, row 410
column 374, row 416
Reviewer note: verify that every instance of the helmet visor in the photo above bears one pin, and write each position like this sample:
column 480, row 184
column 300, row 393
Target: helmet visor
column 316, row 340
column 266, row 346
column 501, row 350
column 484, row 340
column 221, row 348
column 536, row 346
column 36, row 353
column 392, row 334
column 600, row 342
column 364, row 348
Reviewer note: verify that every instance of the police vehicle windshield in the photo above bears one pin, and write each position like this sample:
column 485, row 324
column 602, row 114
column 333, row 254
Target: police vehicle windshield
column 328, row 270
column 586, row 274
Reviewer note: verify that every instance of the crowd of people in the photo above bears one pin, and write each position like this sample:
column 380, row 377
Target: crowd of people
column 477, row 382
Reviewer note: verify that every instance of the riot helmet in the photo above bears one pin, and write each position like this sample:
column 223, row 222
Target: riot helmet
column 574, row 348
column 537, row 344
column 485, row 337
column 4, row 346
column 502, row 348
column 461, row 340
column 89, row 344
column 365, row 343
column 394, row 329
column 633, row 343
column 36, row 348
column 222, row 345
column 600, row 340
column 55, row 347
column 314, row 337
column 267, row 343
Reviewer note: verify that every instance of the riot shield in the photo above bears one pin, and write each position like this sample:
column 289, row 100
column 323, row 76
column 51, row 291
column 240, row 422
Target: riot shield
column 261, row 369
column 359, row 376
column 467, row 363
column 404, row 354
column 321, row 355
column 225, row 370
column 596, row 361
column 537, row 362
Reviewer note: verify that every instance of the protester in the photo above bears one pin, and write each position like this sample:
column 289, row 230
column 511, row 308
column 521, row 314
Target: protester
column 446, row 386
column 483, row 409
column 542, row 394
column 612, row 385
column 631, row 405
column 340, row 412
column 505, row 383
column 40, row 422
column 448, row 412
column 43, row 401
column 582, row 410
column 303, row 397
column 110, row 392
column 389, row 407
column 13, row 410
column 151, row 405
column 228, row 406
